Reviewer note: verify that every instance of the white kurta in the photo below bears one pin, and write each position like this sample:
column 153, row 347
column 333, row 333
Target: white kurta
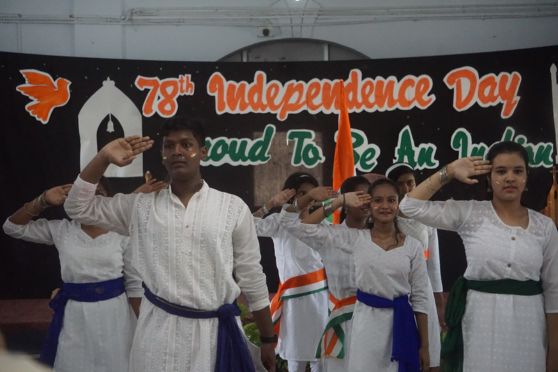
column 96, row 336
column 341, row 283
column 428, row 238
column 387, row 274
column 200, row 256
column 303, row 318
column 500, row 332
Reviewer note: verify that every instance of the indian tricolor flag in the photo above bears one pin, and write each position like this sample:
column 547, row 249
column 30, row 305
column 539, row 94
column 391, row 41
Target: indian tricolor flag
column 343, row 159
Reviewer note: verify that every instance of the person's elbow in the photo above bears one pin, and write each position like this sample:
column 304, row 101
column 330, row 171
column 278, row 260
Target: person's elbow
column 75, row 209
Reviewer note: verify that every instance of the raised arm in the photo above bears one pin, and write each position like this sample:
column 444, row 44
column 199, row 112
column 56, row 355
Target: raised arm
column 463, row 169
column 318, row 236
column 277, row 200
column 110, row 213
column 20, row 225
column 351, row 199
column 120, row 152
column 319, row 193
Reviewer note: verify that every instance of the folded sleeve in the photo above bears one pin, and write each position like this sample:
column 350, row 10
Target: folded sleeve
column 111, row 213
column 445, row 215
column 41, row 231
column 247, row 267
column 318, row 236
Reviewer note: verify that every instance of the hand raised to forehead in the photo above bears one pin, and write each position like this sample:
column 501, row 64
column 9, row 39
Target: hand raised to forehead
column 465, row 168
column 322, row 193
column 57, row 195
column 357, row 199
column 282, row 197
column 123, row 151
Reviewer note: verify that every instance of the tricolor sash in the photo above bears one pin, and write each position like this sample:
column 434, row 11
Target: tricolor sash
column 296, row 286
column 332, row 343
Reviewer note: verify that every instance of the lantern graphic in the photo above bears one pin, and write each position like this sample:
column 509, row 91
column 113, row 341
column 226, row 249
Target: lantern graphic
column 109, row 114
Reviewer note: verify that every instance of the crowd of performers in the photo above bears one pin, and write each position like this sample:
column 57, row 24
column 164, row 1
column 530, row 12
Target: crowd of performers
column 151, row 279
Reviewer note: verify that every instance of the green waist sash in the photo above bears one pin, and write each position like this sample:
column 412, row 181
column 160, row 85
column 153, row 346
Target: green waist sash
column 452, row 345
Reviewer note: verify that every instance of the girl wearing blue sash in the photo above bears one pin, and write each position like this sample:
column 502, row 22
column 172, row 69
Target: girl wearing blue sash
column 93, row 323
column 389, row 330
column 502, row 315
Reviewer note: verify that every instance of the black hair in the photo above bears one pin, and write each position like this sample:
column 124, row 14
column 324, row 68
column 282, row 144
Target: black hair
column 105, row 184
column 508, row 147
column 295, row 180
column 383, row 181
column 179, row 123
column 397, row 170
column 349, row 185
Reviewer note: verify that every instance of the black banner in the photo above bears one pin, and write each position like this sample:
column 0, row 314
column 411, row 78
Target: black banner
column 264, row 121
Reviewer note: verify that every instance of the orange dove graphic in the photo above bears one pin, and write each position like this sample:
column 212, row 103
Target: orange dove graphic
column 45, row 93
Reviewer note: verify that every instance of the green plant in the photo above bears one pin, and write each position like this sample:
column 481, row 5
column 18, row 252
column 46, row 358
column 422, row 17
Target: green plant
column 253, row 334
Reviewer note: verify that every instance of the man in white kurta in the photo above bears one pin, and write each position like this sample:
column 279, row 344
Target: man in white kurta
column 193, row 246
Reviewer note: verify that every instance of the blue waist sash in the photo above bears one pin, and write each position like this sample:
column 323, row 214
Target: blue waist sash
column 405, row 343
column 82, row 292
column 232, row 351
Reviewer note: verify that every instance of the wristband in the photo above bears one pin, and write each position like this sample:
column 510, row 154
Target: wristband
column 269, row 340
column 264, row 209
column 444, row 178
column 327, row 210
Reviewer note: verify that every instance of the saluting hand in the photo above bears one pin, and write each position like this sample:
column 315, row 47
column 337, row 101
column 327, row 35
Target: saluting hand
column 465, row 168
column 322, row 193
column 57, row 195
column 122, row 151
column 357, row 199
column 281, row 197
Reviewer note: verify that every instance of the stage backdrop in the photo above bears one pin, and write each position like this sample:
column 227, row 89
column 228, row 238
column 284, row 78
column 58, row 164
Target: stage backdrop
column 264, row 121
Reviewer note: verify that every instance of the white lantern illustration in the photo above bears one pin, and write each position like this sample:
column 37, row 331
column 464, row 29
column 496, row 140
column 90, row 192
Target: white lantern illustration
column 105, row 106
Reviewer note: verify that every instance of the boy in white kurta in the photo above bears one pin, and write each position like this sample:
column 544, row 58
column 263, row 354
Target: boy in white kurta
column 193, row 246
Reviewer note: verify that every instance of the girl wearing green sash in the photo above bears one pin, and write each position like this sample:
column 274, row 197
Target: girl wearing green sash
column 501, row 316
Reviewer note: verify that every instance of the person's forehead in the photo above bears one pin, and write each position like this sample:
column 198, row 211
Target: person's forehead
column 406, row 177
column 508, row 159
column 179, row 134
column 306, row 186
column 382, row 190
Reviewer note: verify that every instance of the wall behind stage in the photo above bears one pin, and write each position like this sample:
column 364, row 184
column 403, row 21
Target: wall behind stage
column 265, row 121
column 208, row 30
